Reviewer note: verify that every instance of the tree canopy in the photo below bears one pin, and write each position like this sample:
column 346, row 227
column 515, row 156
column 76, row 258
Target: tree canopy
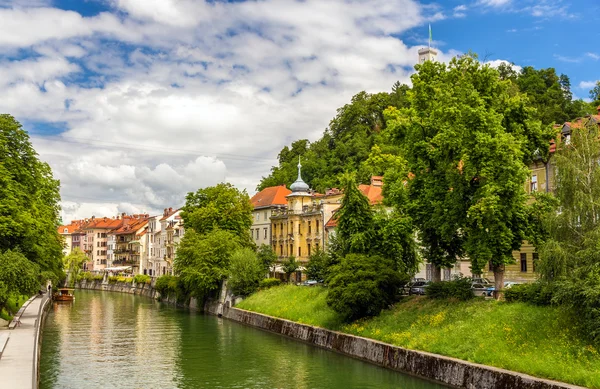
column 29, row 200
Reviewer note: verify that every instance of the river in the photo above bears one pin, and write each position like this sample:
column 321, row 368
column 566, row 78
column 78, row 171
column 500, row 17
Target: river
column 114, row 340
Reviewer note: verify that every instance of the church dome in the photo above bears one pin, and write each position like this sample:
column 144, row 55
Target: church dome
column 299, row 185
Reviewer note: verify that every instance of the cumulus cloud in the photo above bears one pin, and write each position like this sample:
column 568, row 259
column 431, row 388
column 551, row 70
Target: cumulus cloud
column 587, row 84
column 153, row 109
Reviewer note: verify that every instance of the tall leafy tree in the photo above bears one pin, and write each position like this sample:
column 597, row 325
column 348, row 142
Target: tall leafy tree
column 595, row 94
column 468, row 138
column 29, row 200
column 18, row 276
column 72, row 264
column 218, row 207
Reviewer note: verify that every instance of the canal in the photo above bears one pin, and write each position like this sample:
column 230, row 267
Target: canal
column 114, row 340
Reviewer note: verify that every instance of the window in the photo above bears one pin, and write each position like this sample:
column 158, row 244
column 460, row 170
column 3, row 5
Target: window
column 66, row 230
column 524, row 262
column 535, row 258
column 98, row 235
column 281, row 250
column 299, row 251
column 265, row 215
column 300, row 228
column 265, row 233
column 308, row 249
column 317, row 226
column 309, row 230
column 534, row 183
column 97, row 252
column 257, row 216
column 257, row 233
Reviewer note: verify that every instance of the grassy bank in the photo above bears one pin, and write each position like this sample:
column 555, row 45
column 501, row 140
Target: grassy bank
column 541, row 341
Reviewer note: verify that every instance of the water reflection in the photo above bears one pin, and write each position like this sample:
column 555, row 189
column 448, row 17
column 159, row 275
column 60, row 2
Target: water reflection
column 112, row 340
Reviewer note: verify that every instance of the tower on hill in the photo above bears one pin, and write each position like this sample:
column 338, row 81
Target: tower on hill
column 428, row 53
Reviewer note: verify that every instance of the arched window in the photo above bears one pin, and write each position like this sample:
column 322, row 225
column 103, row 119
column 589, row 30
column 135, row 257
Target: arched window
column 66, row 230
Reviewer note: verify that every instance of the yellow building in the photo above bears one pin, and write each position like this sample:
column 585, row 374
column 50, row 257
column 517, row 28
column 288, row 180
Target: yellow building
column 297, row 228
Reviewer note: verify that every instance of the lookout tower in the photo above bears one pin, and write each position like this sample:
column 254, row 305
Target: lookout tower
column 428, row 53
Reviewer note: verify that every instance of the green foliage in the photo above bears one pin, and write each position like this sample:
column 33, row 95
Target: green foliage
column 29, row 198
column 355, row 227
column 362, row 286
column 269, row 283
column 245, row 272
column 46, row 276
column 395, row 239
column 266, row 256
column 18, row 276
column 318, row 266
column 346, row 145
column 595, row 94
column 467, row 137
column 112, row 279
column 72, row 264
column 84, row 276
column 142, row 279
column 458, row 288
column 290, row 266
column 220, row 207
column 202, row 261
column 538, row 293
column 125, row 279
column 166, row 285
column 98, row 277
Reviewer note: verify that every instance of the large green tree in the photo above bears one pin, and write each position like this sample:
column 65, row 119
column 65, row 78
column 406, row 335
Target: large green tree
column 18, row 276
column 595, row 95
column 72, row 264
column 29, row 200
column 218, row 207
column 468, row 137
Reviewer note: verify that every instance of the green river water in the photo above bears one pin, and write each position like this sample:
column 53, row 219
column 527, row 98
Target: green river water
column 114, row 340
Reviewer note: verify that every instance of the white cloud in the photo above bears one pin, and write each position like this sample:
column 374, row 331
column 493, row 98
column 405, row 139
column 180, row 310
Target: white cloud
column 497, row 62
column 592, row 56
column 495, row 3
column 587, row 84
column 155, row 108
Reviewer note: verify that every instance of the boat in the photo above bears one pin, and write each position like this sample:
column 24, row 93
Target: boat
column 64, row 294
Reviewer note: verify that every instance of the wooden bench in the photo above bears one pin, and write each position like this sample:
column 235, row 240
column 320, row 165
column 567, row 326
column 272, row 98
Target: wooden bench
column 4, row 335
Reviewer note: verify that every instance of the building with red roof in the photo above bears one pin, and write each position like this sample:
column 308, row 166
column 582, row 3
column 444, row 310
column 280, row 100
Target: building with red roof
column 264, row 203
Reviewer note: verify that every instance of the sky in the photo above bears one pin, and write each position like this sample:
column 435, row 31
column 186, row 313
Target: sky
column 135, row 103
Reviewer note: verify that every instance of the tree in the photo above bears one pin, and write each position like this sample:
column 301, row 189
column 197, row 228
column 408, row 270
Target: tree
column 218, row 207
column 468, row 138
column 395, row 240
column 202, row 260
column 266, row 256
column 355, row 229
column 318, row 266
column 245, row 272
column 595, row 94
column 29, row 200
column 362, row 286
column 72, row 264
column 289, row 267
column 18, row 276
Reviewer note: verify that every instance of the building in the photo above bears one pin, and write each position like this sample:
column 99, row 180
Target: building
column 162, row 234
column 265, row 202
column 70, row 235
column 127, row 240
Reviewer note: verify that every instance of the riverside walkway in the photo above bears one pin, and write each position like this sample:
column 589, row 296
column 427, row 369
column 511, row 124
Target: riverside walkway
column 18, row 363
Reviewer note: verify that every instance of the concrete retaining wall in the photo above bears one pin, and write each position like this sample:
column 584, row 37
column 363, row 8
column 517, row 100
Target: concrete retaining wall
column 450, row 371
column 37, row 352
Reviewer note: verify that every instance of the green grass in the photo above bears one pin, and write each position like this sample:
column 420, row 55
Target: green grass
column 541, row 341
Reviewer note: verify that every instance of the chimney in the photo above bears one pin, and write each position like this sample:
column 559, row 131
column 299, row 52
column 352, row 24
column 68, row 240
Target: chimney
column 123, row 215
column 170, row 209
column 165, row 212
column 376, row 181
column 93, row 217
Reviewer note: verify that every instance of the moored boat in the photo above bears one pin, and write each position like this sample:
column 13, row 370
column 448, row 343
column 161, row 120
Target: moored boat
column 64, row 294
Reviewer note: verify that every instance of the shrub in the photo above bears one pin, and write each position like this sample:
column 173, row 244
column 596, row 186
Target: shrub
column 113, row 279
column 98, row 277
column 142, row 279
column 538, row 293
column 362, row 286
column 318, row 266
column 458, row 288
column 85, row 276
column 125, row 279
column 166, row 285
column 245, row 272
column 269, row 283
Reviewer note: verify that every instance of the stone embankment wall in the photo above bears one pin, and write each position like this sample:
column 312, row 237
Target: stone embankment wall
column 450, row 371
column 146, row 290
column 121, row 287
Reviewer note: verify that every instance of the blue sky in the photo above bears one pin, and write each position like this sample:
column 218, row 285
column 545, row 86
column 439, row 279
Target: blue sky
column 136, row 102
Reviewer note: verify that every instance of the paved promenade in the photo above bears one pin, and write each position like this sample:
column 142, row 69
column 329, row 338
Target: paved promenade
column 18, row 360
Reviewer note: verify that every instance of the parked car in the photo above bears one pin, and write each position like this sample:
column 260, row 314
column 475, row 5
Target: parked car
column 481, row 280
column 481, row 289
column 510, row 284
column 418, row 287
column 311, row 283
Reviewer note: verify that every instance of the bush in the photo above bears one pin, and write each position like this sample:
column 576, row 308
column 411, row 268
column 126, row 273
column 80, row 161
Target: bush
column 113, row 279
column 85, row 276
column 362, row 286
column 269, row 283
column 245, row 272
column 98, row 277
column 538, row 293
column 142, row 279
column 125, row 279
column 318, row 266
column 167, row 285
column 458, row 288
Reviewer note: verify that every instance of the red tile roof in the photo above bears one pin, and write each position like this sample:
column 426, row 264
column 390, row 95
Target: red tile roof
column 372, row 192
column 273, row 195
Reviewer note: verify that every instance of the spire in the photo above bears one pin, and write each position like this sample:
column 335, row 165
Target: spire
column 299, row 185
